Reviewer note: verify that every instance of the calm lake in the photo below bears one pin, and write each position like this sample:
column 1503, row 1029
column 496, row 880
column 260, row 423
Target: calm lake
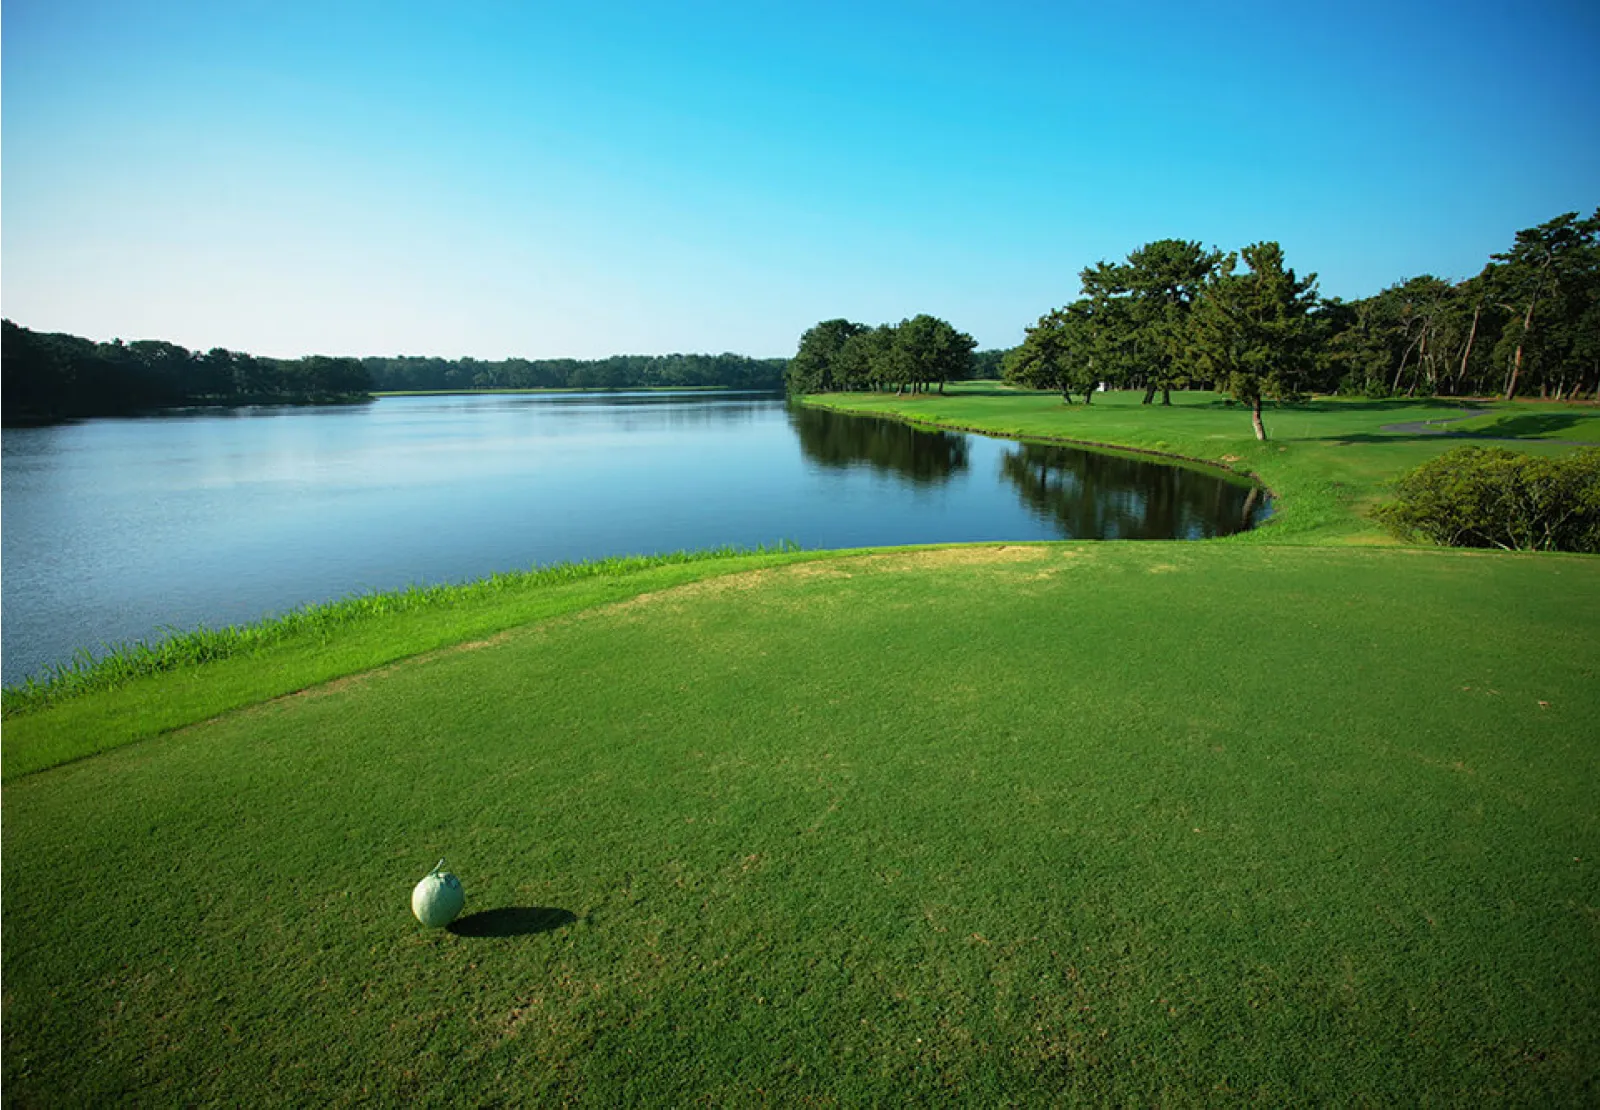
column 118, row 530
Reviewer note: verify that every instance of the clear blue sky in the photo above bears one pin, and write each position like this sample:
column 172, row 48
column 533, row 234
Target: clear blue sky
column 583, row 179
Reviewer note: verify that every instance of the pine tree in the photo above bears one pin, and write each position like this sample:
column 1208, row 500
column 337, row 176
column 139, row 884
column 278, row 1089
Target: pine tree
column 1251, row 333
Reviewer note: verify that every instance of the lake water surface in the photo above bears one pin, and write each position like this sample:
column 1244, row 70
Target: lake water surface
column 117, row 530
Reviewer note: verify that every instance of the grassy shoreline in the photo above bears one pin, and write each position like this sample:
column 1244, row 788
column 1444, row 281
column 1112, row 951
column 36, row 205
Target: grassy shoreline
column 123, row 662
column 142, row 690
column 1327, row 462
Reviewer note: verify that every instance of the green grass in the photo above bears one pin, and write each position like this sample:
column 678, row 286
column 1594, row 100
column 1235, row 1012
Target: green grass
column 1329, row 461
column 143, row 689
column 1561, row 422
column 1285, row 817
column 1124, row 823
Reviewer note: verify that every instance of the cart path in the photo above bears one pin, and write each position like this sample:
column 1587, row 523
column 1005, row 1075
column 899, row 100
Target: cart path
column 1438, row 428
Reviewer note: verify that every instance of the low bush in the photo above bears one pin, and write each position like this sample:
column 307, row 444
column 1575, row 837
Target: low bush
column 1492, row 497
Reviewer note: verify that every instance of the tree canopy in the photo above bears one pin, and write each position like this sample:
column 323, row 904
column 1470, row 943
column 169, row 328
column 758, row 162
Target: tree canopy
column 840, row 355
column 1146, row 301
column 813, row 368
column 1059, row 353
column 1252, row 331
column 54, row 376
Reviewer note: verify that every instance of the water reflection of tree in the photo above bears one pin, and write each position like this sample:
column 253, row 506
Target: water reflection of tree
column 834, row 439
column 1097, row 496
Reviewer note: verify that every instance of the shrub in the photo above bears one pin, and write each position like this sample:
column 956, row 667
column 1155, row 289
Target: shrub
column 1492, row 497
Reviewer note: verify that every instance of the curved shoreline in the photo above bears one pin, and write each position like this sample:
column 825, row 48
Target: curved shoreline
column 126, row 662
column 115, row 701
column 1062, row 441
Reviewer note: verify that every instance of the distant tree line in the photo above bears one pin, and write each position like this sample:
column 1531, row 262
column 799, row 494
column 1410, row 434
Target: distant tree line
column 913, row 355
column 675, row 371
column 51, row 376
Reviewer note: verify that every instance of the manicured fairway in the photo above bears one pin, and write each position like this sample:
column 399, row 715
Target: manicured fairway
column 1564, row 422
column 1133, row 823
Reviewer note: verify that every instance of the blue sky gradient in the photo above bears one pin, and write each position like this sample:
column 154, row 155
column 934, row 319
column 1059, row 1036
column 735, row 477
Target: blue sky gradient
column 547, row 180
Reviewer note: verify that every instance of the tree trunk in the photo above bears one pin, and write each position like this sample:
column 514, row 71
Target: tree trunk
column 1516, row 361
column 1466, row 353
column 1066, row 396
column 1422, row 364
column 1088, row 395
column 1166, row 395
column 1404, row 355
column 1149, row 394
column 1255, row 418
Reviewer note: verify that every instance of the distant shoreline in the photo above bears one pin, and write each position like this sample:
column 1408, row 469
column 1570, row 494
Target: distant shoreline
column 572, row 389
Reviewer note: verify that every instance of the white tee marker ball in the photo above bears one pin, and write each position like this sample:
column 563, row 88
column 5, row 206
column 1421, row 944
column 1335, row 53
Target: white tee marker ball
column 438, row 898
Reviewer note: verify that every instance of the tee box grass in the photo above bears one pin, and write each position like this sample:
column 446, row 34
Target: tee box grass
column 1297, row 821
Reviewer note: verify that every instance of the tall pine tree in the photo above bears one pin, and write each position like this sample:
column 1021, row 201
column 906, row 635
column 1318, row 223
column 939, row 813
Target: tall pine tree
column 1251, row 332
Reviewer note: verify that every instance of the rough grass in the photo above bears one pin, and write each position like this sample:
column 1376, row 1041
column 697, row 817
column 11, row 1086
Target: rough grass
column 1118, row 823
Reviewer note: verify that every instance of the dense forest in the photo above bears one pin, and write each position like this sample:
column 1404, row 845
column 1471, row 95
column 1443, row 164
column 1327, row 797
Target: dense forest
column 50, row 376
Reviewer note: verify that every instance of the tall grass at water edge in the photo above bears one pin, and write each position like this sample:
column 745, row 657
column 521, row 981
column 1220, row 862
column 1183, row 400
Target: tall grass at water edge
column 124, row 661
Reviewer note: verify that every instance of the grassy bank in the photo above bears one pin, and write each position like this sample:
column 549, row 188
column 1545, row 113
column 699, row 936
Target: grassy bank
column 1329, row 461
column 141, row 690
column 1131, row 823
